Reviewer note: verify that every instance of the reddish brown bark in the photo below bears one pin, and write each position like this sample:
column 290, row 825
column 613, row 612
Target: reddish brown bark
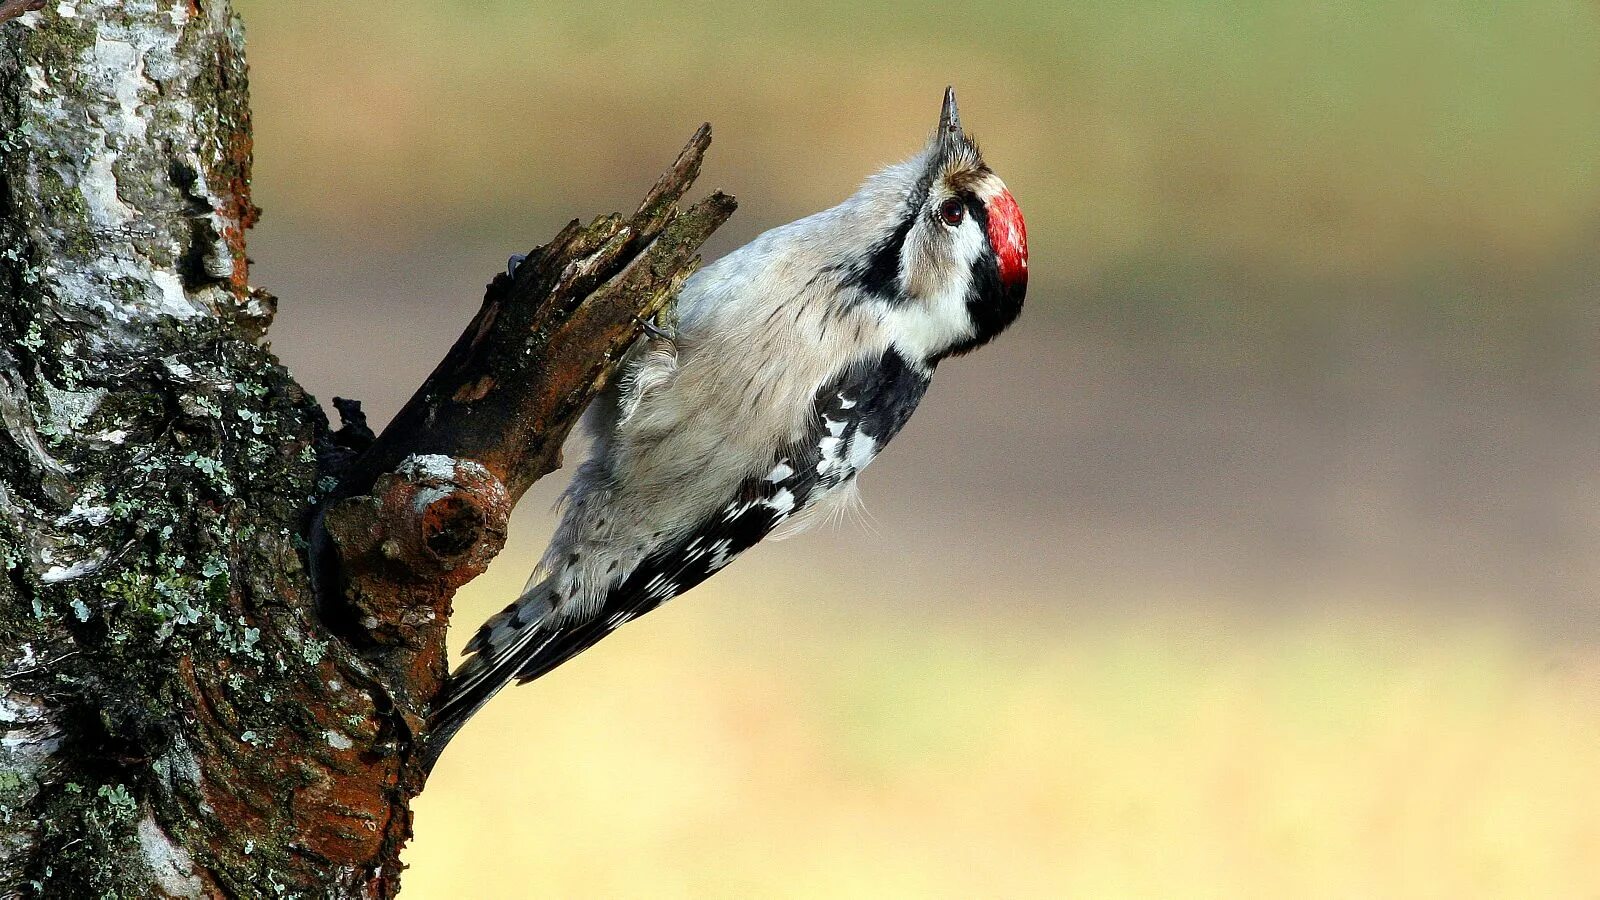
column 223, row 623
column 425, row 508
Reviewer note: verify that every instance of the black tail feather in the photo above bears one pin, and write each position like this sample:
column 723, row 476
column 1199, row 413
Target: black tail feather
column 464, row 694
column 499, row 651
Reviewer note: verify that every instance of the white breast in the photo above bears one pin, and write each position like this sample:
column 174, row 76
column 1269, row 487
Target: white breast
column 757, row 337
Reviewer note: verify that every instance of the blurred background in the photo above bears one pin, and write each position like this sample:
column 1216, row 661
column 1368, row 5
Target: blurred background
column 1259, row 559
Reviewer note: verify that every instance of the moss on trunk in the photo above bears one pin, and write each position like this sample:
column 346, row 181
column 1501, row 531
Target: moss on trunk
column 181, row 713
column 178, row 721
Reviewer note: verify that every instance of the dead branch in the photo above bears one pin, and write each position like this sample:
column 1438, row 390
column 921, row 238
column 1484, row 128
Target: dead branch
column 424, row 509
column 187, row 711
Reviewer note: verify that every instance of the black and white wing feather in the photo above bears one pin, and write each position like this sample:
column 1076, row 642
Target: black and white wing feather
column 853, row 417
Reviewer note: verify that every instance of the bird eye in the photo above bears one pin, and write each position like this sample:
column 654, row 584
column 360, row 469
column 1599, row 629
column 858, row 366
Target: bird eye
column 952, row 210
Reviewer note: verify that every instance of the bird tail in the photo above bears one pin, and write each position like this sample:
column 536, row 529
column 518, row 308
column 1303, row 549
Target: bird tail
column 500, row 651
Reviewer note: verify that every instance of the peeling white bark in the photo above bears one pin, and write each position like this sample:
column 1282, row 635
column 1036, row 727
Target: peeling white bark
column 172, row 723
column 98, row 130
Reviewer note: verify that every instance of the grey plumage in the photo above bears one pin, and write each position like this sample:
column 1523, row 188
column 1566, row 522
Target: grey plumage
column 796, row 358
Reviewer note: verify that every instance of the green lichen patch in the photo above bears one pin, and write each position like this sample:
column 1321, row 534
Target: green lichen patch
column 195, row 474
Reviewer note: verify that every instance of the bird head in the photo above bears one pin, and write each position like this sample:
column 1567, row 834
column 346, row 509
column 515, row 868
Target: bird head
column 950, row 258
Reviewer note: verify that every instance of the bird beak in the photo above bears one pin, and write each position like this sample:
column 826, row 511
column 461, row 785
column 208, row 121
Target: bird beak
column 949, row 116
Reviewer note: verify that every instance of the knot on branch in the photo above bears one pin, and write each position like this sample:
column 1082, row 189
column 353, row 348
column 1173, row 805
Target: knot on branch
column 423, row 530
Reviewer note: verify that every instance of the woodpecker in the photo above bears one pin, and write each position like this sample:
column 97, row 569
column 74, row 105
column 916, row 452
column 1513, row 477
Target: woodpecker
column 795, row 359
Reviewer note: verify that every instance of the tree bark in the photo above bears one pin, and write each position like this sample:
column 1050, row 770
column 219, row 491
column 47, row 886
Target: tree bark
column 222, row 621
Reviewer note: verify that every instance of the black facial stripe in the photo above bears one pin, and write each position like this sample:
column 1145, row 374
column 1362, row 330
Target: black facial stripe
column 881, row 277
column 977, row 211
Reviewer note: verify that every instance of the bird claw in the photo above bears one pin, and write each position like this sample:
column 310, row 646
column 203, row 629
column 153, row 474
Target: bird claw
column 514, row 263
column 652, row 329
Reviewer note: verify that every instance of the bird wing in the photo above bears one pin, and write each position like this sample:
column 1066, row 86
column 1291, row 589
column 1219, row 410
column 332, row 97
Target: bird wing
column 853, row 417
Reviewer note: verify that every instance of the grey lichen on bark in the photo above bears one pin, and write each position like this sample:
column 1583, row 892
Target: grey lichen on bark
column 176, row 720
column 157, row 460
column 181, row 713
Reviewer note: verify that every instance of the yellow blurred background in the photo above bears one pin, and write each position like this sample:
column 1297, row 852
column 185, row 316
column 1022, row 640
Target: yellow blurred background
column 1260, row 560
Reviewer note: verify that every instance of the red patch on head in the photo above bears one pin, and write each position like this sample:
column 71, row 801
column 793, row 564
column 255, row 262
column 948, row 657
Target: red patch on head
column 1008, row 235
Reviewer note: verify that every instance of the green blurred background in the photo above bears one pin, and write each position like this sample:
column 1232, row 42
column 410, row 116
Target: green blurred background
column 1259, row 560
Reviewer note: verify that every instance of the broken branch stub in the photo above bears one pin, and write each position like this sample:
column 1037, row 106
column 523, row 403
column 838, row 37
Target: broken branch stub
column 545, row 337
column 422, row 532
column 425, row 507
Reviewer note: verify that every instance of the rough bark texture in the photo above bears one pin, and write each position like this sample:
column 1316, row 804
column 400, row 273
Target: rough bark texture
column 180, row 715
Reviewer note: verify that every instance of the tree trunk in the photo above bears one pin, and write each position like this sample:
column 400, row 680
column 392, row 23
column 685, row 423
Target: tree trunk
column 222, row 621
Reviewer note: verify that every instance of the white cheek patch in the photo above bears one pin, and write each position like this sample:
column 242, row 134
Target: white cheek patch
column 922, row 326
